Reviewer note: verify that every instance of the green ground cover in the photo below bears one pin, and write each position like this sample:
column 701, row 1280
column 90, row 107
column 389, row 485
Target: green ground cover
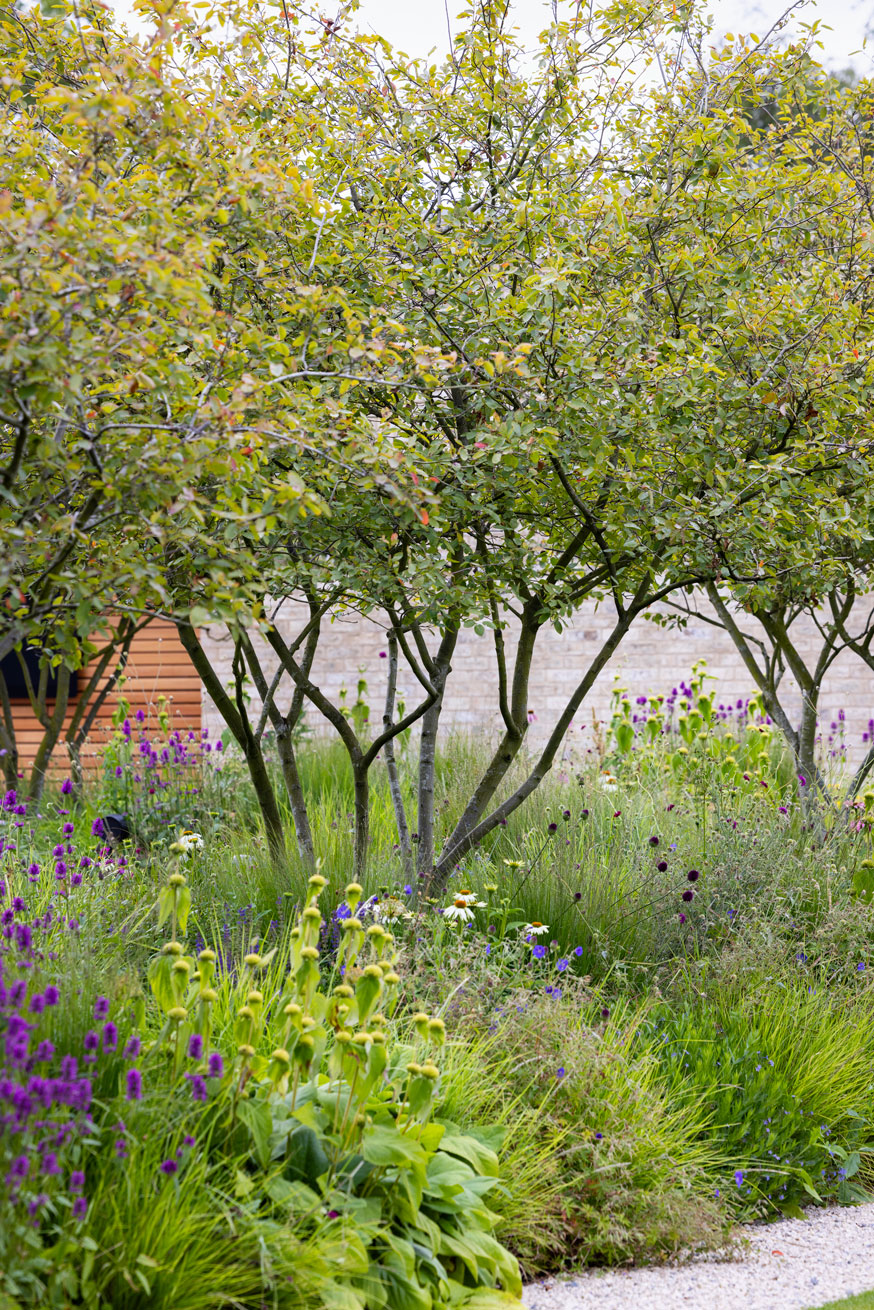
column 641, row 1013
column 864, row 1301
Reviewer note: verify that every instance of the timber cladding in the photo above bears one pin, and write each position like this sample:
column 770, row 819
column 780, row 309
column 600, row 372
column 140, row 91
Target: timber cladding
column 157, row 667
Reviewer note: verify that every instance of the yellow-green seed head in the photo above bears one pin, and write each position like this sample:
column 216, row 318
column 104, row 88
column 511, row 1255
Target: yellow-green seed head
column 246, row 1013
column 208, row 996
column 430, row 1070
column 255, row 998
column 253, row 960
column 246, row 1051
column 177, row 880
column 373, row 971
column 281, row 1056
column 181, row 966
column 311, row 915
column 171, row 948
column 343, row 1037
column 352, row 925
column 178, row 1013
column 343, row 989
column 354, row 892
column 437, row 1031
column 309, row 953
column 207, row 956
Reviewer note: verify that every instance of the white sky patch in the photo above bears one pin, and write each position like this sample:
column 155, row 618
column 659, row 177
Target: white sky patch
column 417, row 26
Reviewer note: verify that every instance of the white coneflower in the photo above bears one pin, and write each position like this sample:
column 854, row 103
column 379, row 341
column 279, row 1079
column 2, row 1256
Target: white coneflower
column 461, row 908
column 187, row 842
column 535, row 928
column 467, row 896
column 609, row 781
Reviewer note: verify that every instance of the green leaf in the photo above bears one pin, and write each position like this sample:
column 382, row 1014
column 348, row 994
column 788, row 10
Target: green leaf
column 255, row 1114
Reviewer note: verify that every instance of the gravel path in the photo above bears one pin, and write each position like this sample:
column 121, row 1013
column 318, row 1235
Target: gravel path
column 794, row 1264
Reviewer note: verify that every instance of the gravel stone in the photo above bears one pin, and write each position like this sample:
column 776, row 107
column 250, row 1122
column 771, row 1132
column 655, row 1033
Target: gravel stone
column 794, row 1264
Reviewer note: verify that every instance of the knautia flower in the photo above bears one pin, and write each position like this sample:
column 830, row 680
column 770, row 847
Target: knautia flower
column 535, row 928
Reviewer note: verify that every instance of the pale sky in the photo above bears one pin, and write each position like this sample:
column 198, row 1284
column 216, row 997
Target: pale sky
column 415, row 26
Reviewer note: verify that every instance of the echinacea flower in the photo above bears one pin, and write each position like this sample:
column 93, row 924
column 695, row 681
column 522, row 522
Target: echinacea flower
column 535, row 928
column 609, row 782
column 187, row 842
column 461, row 909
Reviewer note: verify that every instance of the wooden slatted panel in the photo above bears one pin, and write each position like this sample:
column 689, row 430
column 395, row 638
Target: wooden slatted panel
column 158, row 666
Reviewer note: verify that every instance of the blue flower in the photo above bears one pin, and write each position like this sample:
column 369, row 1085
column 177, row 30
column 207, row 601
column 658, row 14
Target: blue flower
column 559, row 1073
column 539, row 951
column 561, row 964
column 739, row 1177
column 578, row 950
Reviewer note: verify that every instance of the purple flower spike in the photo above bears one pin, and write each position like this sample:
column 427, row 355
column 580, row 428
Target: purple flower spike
column 195, row 1046
column 66, row 787
column 216, row 1065
column 101, row 1008
column 169, row 1167
column 77, row 1180
column 198, row 1086
column 80, row 1207
column 134, row 1085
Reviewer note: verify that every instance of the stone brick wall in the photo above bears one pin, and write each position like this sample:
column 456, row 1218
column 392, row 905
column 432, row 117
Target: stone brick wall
column 650, row 659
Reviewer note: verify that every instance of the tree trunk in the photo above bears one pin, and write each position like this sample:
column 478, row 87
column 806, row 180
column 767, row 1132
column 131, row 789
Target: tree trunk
column 428, row 753
column 462, row 841
column 8, row 743
column 251, row 748
column 388, row 750
column 266, row 802
column 52, row 731
column 294, row 792
column 361, row 837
